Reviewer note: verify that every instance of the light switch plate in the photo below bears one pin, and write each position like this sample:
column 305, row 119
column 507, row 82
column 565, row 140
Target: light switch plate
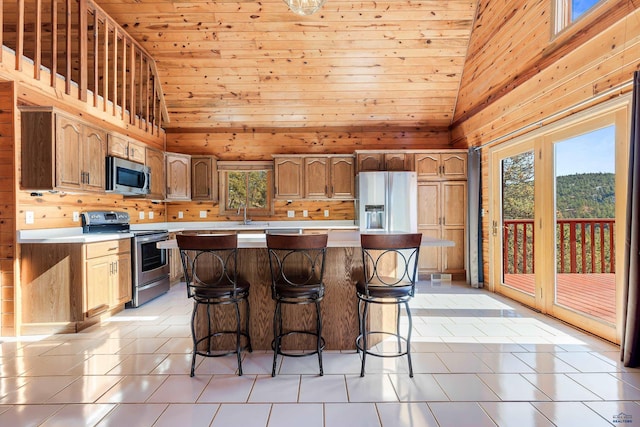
column 76, row 216
column 29, row 217
column 326, row 212
column 180, row 214
column 203, row 214
column 141, row 214
column 151, row 215
column 291, row 214
column 305, row 213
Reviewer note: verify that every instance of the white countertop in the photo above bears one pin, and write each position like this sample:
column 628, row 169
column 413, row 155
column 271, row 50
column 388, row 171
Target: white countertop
column 75, row 235
column 337, row 239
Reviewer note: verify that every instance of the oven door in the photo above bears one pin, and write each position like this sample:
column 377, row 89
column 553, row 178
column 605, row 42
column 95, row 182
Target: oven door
column 150, row 262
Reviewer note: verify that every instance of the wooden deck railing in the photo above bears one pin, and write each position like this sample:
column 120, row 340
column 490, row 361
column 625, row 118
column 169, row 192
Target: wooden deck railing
column 583, row 246
column 84, row 52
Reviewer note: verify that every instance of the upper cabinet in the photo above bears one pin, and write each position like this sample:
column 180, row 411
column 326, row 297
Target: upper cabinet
column 384, row 161
column 288, row 177
column 178, row 175
column 314, row 177
column 60, row 152
column 155, row 160
column 121, row 146
column 204, row 178
column 441, row 165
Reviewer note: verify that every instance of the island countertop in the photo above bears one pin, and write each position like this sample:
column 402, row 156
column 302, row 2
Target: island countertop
column 336, row 239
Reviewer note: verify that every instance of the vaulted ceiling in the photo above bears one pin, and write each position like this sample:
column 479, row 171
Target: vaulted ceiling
column 256, row 64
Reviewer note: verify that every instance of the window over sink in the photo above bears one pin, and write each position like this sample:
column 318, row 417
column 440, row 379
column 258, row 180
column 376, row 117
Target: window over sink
column 246, row 184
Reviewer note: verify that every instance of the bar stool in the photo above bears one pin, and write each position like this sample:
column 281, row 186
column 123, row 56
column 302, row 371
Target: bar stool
column 210, row 270
column 296, row 262
column 390, row 267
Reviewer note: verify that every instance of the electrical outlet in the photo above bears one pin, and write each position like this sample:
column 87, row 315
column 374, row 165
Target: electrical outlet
column 141, row 214
column 291, row 214
column 203, row 214
column 305, row 213
column 76, row 216
column 326, row 212
column 151, row 215
column 180, row 214
column 29, row 217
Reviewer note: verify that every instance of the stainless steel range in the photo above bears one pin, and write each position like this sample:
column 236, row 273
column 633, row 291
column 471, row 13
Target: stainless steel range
column 149, row 265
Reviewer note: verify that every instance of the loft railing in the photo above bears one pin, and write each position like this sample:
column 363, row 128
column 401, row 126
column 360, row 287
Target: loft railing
column 582, row 246
column 86, row 54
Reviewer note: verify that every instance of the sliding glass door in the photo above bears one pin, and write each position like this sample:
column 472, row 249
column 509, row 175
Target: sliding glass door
column 557, row 207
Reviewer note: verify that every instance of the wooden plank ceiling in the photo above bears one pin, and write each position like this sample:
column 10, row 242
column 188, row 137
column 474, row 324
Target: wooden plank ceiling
column 255, row 64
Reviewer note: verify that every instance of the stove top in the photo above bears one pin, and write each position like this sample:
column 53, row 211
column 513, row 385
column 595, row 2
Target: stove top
column 105, row 222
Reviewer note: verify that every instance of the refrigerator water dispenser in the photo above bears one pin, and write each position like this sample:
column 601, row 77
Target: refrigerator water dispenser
column 374, row 217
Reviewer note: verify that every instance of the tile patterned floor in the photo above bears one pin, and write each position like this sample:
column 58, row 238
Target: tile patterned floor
column 479, row 360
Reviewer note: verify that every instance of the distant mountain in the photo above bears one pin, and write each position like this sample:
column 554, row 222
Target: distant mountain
column 587, row 195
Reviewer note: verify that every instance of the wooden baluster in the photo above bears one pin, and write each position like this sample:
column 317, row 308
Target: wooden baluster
column 37, row 61
column 54, row 43
column 20, row 35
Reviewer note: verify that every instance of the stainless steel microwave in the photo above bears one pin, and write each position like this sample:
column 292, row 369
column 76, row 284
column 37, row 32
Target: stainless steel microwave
column 126, row 177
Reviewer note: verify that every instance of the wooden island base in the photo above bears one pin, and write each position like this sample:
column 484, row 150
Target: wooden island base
column 343, row 267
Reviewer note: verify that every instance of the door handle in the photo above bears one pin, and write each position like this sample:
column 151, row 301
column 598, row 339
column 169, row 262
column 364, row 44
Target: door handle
column 495, row 228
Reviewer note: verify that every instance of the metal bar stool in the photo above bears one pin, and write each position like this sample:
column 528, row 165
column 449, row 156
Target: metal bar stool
column 390, row 267
column 210, row 271
column 297, row 269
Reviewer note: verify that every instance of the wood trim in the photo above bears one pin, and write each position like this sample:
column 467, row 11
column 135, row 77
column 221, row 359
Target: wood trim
column 37, row 61
column 67, row 85
column 20, row 36
column 84, row 48
column 54, row 43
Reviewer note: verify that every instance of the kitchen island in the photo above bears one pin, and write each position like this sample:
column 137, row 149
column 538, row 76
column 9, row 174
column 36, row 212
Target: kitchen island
column 343, row 267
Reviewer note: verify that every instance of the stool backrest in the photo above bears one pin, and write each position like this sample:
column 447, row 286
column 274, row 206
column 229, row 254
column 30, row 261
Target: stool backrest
column 208, row 260
column 390, row 259
column 296, row 259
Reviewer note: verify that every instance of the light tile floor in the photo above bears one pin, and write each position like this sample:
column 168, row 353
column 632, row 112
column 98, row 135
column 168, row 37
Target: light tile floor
column 479, row 360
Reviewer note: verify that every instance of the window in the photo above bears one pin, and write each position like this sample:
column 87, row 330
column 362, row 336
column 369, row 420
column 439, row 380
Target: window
column 246, row 184
column 569, row 11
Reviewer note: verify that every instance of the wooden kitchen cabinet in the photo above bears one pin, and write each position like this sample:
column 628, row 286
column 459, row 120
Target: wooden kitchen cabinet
column 178, row 175
column 288, row 172
column 342, row 177
column 441, row 165
column 154, row 159
column 204, row 178
column 108, row 276
column 68, row 287
column 60, row 152
column 442, row 215
column 316, row 177
column 370, row 162
column 398, row 162
column 121, row 146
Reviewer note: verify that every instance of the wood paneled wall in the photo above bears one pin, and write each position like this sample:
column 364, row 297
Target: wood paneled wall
column 8, row 211
column 512, row 87
column 261, row 144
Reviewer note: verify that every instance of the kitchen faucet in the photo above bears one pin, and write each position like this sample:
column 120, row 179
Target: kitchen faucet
column 245, row 221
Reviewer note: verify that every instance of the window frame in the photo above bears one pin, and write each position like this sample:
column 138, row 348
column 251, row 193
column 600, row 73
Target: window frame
column 562, row 22
column 244, row 166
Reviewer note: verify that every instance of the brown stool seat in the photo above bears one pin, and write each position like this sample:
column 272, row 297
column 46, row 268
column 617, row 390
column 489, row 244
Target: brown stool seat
column 296, row 262
column 382, row 253
column 211, row 273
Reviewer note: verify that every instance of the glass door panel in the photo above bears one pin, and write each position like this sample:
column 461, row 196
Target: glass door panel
column 584, row 170
column 517, row 231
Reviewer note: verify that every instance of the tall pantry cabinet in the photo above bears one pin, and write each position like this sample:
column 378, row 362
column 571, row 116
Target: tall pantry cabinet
column 442, row 210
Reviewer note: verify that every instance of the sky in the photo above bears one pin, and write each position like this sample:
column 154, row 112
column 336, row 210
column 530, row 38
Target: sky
column 580, row 6
column 592, row 152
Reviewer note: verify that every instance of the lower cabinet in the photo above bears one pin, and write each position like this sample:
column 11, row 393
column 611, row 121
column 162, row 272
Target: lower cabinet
column 67, row 287
column 442, row 215
column 108, row 276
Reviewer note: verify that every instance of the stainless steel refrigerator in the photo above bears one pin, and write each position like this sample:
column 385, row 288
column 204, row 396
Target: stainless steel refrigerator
column 387, row 201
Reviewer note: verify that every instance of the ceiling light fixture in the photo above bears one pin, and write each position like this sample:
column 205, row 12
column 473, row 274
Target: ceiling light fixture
column 304, row 7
